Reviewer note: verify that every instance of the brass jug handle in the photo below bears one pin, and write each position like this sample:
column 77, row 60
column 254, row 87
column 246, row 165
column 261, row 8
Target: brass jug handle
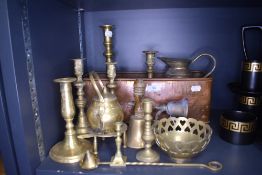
column 243, row 37
column 211, row 57
column 91, row 77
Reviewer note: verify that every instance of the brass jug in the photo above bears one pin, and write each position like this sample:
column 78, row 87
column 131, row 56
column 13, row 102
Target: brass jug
column 105, row 109
column 179, row 68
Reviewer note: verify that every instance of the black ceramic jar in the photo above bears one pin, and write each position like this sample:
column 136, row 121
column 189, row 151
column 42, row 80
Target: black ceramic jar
column 238, row 127
column 251, row 79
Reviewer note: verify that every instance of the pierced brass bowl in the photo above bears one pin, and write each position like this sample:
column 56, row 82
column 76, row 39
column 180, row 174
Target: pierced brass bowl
column 182, row 138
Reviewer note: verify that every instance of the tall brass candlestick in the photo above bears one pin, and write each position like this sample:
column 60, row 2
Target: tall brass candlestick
column 82, row 124
column 150, row 56
column 108, row 34
column 118, row 159
column 71, row 149
column 148, row 154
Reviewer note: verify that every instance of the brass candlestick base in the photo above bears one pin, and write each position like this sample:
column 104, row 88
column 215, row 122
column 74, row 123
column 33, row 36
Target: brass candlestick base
column 118, row 159
column 71, row 149
column 150, row 56
column 147, row 154
column 82, row 124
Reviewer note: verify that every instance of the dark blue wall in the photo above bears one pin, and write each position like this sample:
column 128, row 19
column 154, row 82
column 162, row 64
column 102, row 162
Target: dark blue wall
column 177, row 32
column 54, row 35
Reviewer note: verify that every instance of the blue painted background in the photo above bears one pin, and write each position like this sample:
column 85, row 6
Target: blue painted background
column 177, row 32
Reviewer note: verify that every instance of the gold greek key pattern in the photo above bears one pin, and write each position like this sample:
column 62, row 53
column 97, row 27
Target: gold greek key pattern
column 250, row 101
column 237, row 126
column 253, row 67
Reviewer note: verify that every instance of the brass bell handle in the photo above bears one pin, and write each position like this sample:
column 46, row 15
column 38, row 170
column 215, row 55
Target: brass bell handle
column 91, row 77
column 211, row 57
column 243, row 37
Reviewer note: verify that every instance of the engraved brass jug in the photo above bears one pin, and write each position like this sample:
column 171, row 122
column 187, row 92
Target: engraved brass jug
column 105, row 109
column 179, row 68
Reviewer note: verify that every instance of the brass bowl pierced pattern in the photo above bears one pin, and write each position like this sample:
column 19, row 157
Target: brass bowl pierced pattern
column 182, row 138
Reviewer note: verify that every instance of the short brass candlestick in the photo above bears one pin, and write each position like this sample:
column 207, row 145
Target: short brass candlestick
column 111, row 74
column 150, row 57
column 108, row 34
column 118, row 159
column 82, row 124
column 71, row 149
column 147, row 154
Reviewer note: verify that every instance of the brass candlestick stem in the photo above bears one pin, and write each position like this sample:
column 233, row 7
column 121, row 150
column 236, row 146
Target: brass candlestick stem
column 82, row 124
column 150, row 57
column 118, row 159
column 147, row 154
column 71, row 149
column 111, row 74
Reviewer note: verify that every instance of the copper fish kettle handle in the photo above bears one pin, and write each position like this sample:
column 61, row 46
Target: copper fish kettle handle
column 92, row 79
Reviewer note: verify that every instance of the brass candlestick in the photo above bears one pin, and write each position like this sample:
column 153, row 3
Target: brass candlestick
column 111, row 74
column 137, row 122
column 118, row 159
column 147, row 154
column 71, row 149
column 150, row 56
column 82, row 124
column 108, row 34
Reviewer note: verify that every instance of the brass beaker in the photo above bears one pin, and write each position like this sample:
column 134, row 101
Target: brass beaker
column 71, row 149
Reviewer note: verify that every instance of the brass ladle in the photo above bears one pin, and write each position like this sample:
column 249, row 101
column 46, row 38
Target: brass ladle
column 214, row 166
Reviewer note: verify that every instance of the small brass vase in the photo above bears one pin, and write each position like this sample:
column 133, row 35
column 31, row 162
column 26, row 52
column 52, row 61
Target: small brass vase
column 71, row 149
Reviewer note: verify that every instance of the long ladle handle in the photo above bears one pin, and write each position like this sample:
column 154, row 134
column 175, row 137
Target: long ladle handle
column 211, row 58
column 91, row 77
column 214, row 166
column 243, row 37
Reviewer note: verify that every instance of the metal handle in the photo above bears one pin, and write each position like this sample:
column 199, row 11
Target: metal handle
column 91, row 76
column 214, row 166
column 243, row 37
column 211, row 58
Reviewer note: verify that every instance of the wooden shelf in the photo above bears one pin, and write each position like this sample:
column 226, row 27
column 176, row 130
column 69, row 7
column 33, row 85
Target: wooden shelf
column 104, row 5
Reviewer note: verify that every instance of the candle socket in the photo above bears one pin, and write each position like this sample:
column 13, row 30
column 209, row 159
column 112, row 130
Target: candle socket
column 150, row 61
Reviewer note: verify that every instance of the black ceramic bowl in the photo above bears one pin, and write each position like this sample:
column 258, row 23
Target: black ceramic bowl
column 238, row 127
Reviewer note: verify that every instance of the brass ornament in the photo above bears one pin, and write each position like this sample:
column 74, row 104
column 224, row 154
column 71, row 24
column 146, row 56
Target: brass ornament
column 148, row 154
column 108, row 34
column 71, row 149
column 82, row 124
column 111, row 74
column 118, row 159
column 252, row 67
column 250, row 101
column 182, row 138
column 137, row 121
column 89, row 161
column 235, row 126
column 150, row 61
